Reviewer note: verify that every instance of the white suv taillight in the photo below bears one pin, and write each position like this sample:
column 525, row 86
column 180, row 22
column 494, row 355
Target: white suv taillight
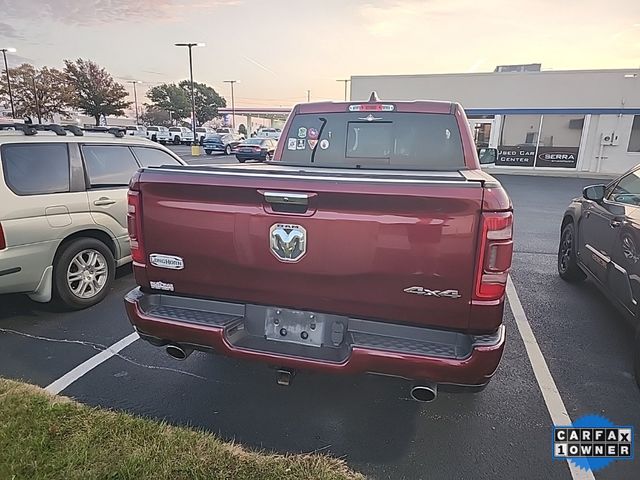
column 134, row 225
column 496, row 249
column 3, row 242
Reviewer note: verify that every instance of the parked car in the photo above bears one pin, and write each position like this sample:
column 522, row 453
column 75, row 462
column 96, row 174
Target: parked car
column 260, row 149
column 222, row 142
column 63, row 207
column 372, row 243
column 180, row 135
column 269, row 133
column 158, row 134
column 202, row 132
column 136, row 130
column 600, row 240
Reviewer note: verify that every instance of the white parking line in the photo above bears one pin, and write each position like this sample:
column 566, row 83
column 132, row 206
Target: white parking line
column 85, row 367
column 552, row 398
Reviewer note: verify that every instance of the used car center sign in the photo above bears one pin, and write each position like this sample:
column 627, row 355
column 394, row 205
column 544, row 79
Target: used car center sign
column 524, row 156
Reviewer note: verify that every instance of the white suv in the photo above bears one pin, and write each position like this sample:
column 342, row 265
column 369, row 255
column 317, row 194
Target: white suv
column 63, row 209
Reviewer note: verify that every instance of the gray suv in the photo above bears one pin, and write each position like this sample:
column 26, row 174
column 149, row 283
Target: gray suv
column 63, row 209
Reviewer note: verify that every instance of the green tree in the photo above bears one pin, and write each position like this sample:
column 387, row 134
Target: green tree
column 152, row 115
column 38, row 93
column 206, row 98
column 95, row 92
column 170, row 98
column 177, row 99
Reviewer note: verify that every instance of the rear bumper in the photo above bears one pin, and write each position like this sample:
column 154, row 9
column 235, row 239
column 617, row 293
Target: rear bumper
column 237, row 331
column 214, row 146
column 250, row 156
column 22, row 267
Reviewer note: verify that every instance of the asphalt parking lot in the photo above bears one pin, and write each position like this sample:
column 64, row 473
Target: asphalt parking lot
column 503, row 432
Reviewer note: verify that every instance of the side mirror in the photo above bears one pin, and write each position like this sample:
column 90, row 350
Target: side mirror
column 487, row 156
column 594, row 192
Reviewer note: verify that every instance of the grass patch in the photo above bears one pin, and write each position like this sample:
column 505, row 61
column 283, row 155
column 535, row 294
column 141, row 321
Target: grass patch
column 48, row 437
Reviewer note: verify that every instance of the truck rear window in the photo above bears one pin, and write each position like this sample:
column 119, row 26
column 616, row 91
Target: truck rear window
column 384, row 140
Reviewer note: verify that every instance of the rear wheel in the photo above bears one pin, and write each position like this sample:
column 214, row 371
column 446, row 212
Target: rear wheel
column 227, row 150
column 567, row 261
column 208, row 152
column 241, row 160
column 83, row 273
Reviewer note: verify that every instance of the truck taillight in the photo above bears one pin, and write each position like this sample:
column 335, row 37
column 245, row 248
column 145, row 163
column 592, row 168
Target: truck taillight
column 134, row 225
column 3, row 242
column 496, row 248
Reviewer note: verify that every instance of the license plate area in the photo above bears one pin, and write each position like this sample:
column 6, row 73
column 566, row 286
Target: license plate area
column 294, row 326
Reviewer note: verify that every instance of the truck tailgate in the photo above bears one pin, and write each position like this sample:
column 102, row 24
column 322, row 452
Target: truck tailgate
column 367, row 240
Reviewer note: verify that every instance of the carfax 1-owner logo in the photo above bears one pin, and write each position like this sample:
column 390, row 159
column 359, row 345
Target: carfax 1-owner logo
column 592, row 442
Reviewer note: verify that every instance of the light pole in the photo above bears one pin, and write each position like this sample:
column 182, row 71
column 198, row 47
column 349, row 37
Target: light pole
column 346, row 81
column 308, row 96
column 135, row 96
column 6, row 69
column 35, row 97
column 193, row 97
column 233, row 103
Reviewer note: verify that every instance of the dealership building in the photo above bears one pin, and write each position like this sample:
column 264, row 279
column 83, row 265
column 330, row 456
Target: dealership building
column 543, row 121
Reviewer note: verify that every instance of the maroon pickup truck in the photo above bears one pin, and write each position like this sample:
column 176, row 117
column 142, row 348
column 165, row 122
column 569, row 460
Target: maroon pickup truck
column 371, row 243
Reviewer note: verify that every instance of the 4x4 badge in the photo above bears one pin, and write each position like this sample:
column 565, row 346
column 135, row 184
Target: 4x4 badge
column 433, row 293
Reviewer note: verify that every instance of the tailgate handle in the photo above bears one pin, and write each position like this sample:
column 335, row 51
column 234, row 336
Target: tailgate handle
column 286, row 198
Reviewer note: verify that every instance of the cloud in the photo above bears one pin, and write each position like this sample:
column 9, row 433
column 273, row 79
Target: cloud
column 15, row 60
column 7, row 31
column 388, row 18
column 97, row 12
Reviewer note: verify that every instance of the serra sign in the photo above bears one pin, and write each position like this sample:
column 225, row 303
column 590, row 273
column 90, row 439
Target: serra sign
column 566, row 157
column 523, row 156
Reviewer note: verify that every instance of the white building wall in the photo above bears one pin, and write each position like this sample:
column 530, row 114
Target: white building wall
column 546, row 89
column 610, row 159
column 580, row 89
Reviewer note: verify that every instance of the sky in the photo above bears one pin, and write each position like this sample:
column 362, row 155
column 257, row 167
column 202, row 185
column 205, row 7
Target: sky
column 279, row 49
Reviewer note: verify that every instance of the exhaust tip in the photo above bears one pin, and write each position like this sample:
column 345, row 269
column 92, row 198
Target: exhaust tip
column 424, row 393
column 177, row 352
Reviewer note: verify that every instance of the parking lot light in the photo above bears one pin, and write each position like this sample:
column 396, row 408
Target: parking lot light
column 135, row 97
column 233, row 103
column 195, row 150
column 6, row 69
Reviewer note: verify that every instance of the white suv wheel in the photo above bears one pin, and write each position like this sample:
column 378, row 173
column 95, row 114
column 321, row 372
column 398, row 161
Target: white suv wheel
column 87, row 273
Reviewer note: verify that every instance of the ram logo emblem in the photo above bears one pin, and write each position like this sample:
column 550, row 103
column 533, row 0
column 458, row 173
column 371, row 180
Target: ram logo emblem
column 288, row 242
